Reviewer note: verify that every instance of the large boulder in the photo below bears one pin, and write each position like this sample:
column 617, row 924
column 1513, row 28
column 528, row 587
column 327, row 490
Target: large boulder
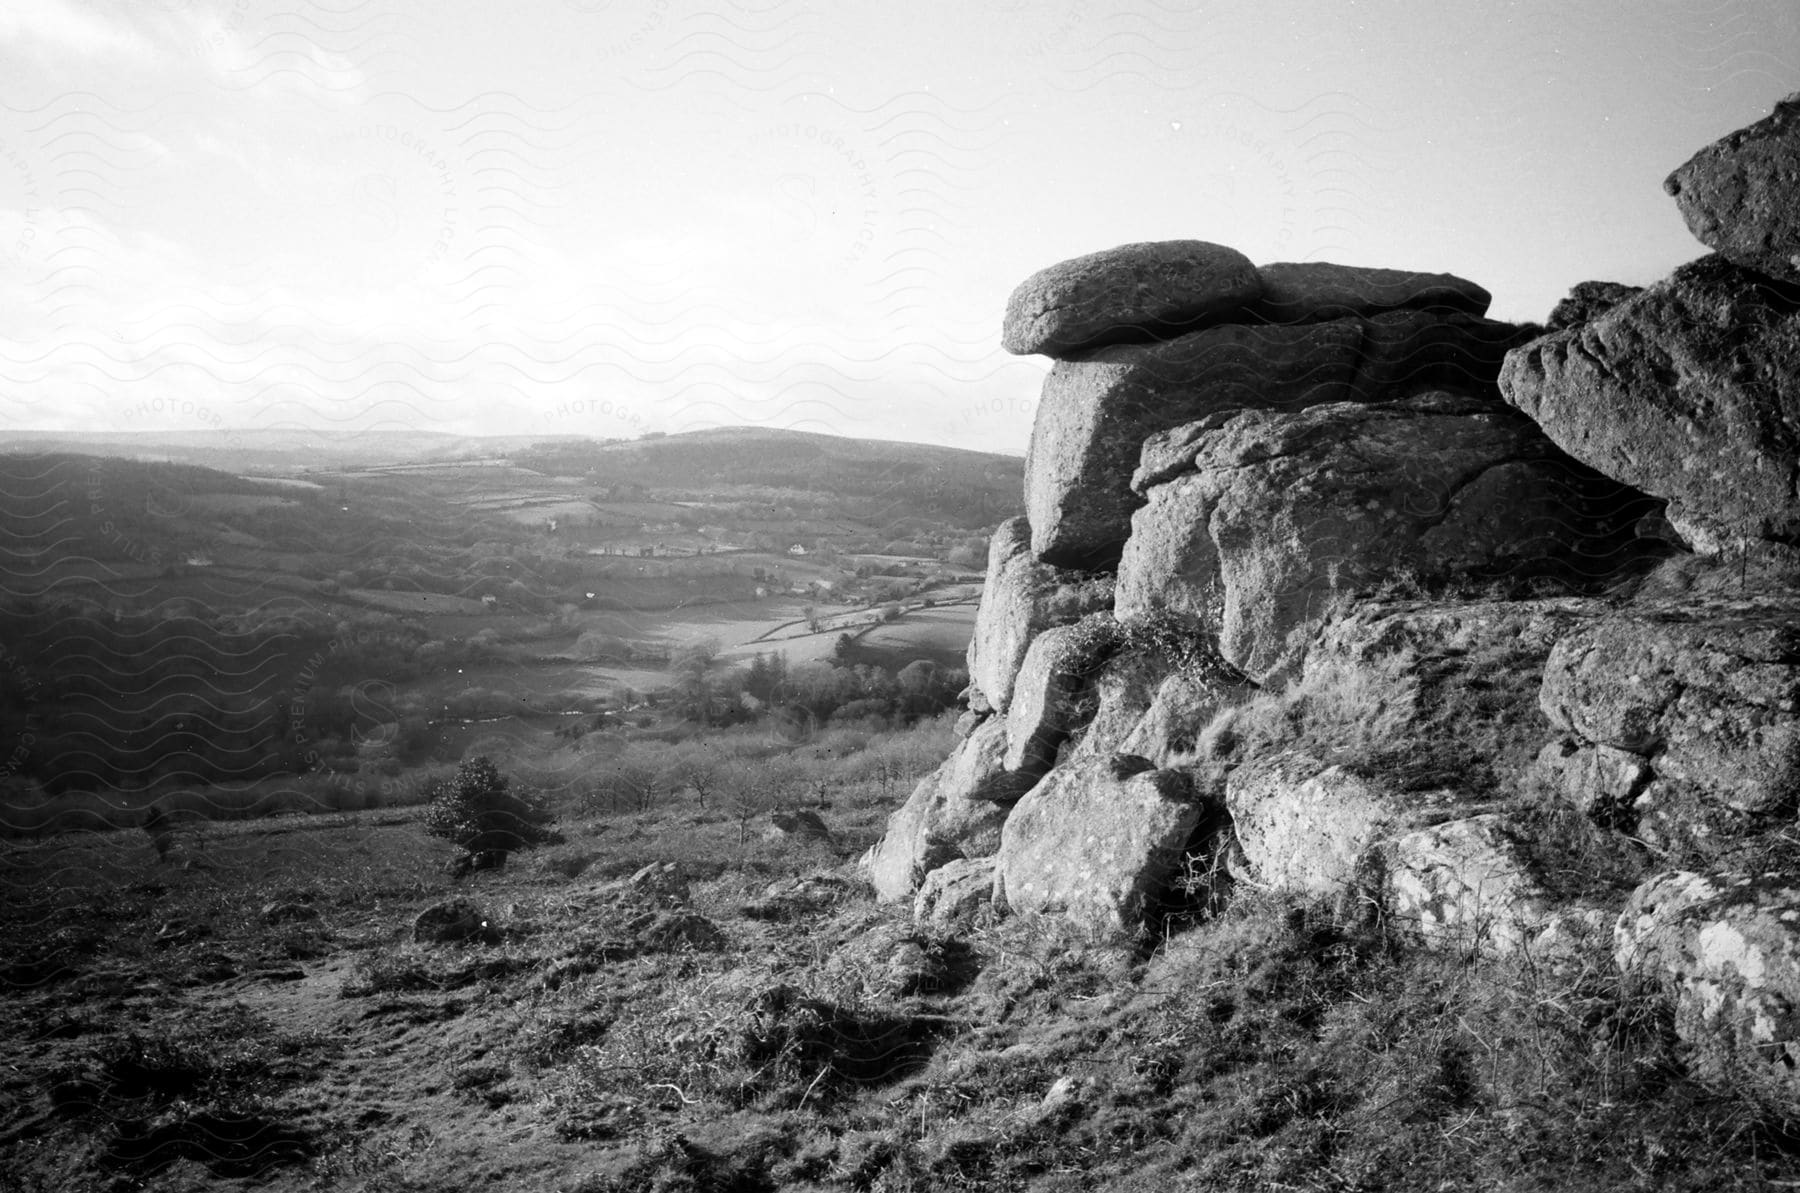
column 979, row 767
column 1097, row 412
column 1739, row 195
column 1313, row 828
column 1022, row 599
column 1049, row 697
column 1468, row 882
column 1280, row 513
column 936, row 825
column 1689, row 391
column 1295, row 292
column 1096, row 841
column 1683, row 720
column 1132, row 293
column 1432, row 862
column 1727, row 947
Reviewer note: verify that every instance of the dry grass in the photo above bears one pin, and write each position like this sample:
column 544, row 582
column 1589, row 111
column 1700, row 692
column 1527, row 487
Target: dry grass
column 756, row 1022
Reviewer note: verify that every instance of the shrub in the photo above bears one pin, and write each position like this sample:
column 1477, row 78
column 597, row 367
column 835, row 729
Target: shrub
column 478, row 812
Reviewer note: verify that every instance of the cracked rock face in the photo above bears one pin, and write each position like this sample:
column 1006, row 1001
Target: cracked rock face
column 1737, row 194
column 1689, row 391
column 1278, row 512
column 1312, row 290
column 1683, row 720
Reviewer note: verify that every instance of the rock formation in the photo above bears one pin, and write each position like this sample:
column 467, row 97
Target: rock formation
column 1689, row 391
column 1737, row 194
column 1302, row 541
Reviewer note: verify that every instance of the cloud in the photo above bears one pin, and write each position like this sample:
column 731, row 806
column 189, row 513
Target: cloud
column 62, row 27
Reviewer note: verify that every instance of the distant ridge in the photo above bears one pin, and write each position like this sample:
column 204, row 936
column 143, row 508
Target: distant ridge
column 277, row 449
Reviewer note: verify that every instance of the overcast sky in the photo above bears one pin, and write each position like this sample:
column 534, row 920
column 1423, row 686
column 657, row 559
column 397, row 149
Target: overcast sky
column 606, row 217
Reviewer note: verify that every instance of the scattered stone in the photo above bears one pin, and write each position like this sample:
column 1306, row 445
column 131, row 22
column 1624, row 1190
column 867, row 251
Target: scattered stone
column 675, row 931
column 453, row 922
column 1738, row 194
column 287, row 912
column 464, row 864
column 955, row 891
column 1129, row 294
column 1689, row 391
column 799, row 825
column 1311, row 291
column 1727, row 946
column 663, row 882
column 1097, row 840
column 792, row 898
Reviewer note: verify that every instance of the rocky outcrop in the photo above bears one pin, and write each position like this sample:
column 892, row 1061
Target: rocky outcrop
column 1281, row 514
column 1728, row 947
column 1737, row 194
column 1129, row 294
column 1256, row 461
column 1022, row 599
column 1305, row 291
column 1683, row 720
column 1097, row 411
column 1689, row 391
column 1096, row 841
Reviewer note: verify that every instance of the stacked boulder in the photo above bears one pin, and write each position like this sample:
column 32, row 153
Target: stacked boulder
column 1229, row 458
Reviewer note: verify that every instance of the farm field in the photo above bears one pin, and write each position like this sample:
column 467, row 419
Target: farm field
column 182, row 629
